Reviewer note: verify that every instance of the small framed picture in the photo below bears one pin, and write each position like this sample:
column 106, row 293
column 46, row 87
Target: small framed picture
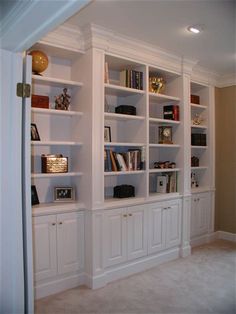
column 34, row 133
column 34, row 195
column 107, row 134
column 64, row 194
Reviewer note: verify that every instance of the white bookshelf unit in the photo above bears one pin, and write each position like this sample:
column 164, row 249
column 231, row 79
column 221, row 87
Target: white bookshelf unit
column 122, row 235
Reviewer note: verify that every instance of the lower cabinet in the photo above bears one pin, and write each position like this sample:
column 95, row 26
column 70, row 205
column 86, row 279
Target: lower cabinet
column 200, row 211
column 164, row 225
column 124, row 234
column 58, row 244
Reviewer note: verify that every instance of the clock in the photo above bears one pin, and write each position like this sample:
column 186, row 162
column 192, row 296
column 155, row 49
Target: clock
column 165, row 135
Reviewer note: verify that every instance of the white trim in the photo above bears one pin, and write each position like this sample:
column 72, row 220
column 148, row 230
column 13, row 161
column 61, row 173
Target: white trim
column 226, row 80
column 226, row 235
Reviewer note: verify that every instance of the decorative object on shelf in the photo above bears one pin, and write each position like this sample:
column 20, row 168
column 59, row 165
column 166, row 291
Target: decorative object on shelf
column 165, row 135
column 62, row 101
column 194, row 161
column 123, row 191
column 125, row 109
column 161, row 184
column 197, row 119
column 39, row 101
column 198, row 139
column 107, row 134
column 54, row 163
column 34, row 195
column 156, row 84
column 195, row 99
column 34, row 132
column 64, row 194
column 194, row 183
column 164, row 165
column 39, row 61
column 171, row 112
column 106, row 73
column 106, row 106
column 167, row 182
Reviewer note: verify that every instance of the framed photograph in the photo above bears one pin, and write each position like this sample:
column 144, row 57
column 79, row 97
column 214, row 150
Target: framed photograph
column 34, row 132
column 165, row 135
column 107, row 134
column 64, row 194
column 34, row 195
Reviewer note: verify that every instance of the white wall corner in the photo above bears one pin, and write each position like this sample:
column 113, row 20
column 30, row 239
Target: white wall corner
column 66, row 36
column 226, row 80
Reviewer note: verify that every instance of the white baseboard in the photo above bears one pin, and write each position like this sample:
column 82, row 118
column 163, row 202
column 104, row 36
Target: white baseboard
column 185, row 251
column 58, row 285
column 226, row 236
column 131, row 268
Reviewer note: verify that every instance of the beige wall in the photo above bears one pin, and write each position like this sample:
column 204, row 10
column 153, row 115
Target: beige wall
column 225, row 113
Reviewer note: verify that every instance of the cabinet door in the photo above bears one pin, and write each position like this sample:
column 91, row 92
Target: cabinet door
column 114, row 235
column 173, row 224
column 199, row 214
column 156, row 228
column 44, row 247
column 137, row 232
column 70, row 242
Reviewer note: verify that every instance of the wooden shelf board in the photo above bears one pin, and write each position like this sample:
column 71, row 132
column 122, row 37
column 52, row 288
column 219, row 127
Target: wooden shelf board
column 52, row 81
column 201, row 189
column 115, row 173
column 122, row 117
column 56, row 208
column 117, row 90
column 199, row 168
column 163, row 121
column 114, row 202
column 164, row 145
column 199, row 147
column 198, row 126
column 159, row 98
column 164, row 170
column 56, row 112
column 54, row 175
column 123, row 144
column 198, row 106
column 56, row 143
column 163, row 196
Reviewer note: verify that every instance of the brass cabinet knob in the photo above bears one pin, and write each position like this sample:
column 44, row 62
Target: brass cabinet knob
column 130, row 214
column 60, row 223
column 53, row 224
column 125, row 215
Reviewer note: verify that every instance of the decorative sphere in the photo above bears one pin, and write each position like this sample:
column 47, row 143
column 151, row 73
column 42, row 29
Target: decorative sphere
column 39, row 61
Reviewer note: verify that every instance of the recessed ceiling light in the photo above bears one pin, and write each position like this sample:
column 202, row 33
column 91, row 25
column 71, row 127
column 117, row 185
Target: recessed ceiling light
column 196, row 29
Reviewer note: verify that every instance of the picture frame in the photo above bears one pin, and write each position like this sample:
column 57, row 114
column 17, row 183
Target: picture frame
column 34, row 195
column 107, row 134
column 64, row 194
column 34, row 133
column 165, row 135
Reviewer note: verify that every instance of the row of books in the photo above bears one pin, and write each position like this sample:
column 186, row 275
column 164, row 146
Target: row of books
column 123, row 161
column 132, row 79
column 167, row 183
column 171, row 112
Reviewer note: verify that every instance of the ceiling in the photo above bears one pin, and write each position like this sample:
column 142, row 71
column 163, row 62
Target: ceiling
column 163, row 23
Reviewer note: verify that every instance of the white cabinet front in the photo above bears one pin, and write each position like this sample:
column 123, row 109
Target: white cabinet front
column 58, row 244
column 124, row 235
column 199, row 214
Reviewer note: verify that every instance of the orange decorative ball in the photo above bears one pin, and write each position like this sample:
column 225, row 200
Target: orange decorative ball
column 39, row 61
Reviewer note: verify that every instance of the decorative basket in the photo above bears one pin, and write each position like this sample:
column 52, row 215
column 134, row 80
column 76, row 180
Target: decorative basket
column 54, row 164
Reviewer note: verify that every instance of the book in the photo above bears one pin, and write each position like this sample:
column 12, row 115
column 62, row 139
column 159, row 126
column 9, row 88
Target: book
column 171, row 112
column 106, row 73
column 162, row 184
column 120, row 158
column 113, row 162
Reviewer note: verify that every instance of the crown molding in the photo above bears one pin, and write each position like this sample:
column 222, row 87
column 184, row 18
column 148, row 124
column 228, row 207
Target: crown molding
column 204, row 76
column 66, row 36
column 226, row 80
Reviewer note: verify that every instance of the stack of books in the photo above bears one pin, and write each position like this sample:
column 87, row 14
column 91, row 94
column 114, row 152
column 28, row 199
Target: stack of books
column 132, row 79
column 171, row 112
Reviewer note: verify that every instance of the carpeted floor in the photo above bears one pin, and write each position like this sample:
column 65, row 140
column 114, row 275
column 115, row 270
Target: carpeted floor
column 204, row 282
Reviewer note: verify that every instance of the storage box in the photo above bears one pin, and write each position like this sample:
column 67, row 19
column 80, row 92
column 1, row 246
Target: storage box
column 126, row 109
column 171, row 112
column 198, row 139
column 39, row 101
column 195, row 99
column 124, row 190
column 54, row 164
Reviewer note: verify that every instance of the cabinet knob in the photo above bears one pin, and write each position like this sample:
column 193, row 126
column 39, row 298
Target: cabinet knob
column 125, row 215
column 60, row 223
column 53, row 224
column 130, row 214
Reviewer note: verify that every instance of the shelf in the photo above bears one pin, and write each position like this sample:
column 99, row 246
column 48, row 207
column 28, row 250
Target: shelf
column 199, row 147
column 164, row 170
column 201, row 189
column 204, row 127
column 55, row 81
column 123, row 144
column 55, row 175
column 159, row 98
column 161, row 196
column 56, row 207
column 163, row 121
column 164, row 145
column 198, row 106
column 117, row 90
column 56, row 112
column 56, row 143
column 115, row 173
column 199, row 168
column 122, row 117
column 122, row 202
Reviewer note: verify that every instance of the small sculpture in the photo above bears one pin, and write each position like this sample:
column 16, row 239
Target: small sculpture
column 197, row 119
column 156, row 84
column 62, row 101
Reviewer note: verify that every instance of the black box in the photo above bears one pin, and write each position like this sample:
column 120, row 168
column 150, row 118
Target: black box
column 171, row 112
column 198, row 139
column 125, row 109
column 124, row 190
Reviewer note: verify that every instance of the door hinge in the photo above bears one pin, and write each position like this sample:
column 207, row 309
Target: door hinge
column 23, row 90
